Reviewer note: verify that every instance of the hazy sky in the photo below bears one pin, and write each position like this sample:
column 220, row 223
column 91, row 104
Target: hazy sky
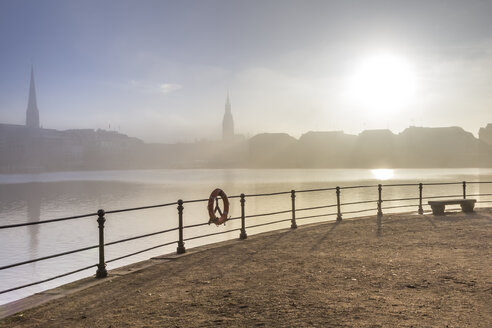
column 160, row 70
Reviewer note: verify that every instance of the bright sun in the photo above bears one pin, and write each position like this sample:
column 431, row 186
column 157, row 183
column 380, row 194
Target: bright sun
column 382, row 83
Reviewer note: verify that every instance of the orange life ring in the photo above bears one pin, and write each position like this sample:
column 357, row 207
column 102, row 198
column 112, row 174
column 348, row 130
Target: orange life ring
column 211, row 209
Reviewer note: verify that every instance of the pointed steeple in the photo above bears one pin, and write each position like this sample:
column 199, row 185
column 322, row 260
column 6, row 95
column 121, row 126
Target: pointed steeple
column 32, row 112
column 32, row 92
column 227, row 122
column 228, row 103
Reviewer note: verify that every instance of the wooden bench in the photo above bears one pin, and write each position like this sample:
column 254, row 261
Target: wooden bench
column 438, row 205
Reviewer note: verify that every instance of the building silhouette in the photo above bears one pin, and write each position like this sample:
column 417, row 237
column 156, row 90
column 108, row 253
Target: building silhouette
column 32, row 112
column 32, row 148
column 227, row 122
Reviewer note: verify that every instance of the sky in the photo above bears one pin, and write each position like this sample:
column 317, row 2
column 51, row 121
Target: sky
column 161, row 70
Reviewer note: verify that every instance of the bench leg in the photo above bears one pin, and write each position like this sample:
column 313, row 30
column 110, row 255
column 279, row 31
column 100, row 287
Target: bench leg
column 467, row 207
column 437, row 209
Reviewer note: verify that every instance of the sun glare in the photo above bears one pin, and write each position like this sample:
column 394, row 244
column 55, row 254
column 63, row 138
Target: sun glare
column 382, row 83
column 382, row 174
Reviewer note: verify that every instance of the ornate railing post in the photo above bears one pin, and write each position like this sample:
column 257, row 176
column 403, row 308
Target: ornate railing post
column 181, row 249
column 380, row 200
column 101, row 267
column 243, row 234
column 464, row 189
column 293, row 224
column 339, row 210
column 421, row 210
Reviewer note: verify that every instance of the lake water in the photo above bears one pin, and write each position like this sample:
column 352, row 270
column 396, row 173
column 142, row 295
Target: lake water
column 34, row 197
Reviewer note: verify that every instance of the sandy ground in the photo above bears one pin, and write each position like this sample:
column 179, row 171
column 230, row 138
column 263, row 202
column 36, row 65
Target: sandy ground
column 400, row 271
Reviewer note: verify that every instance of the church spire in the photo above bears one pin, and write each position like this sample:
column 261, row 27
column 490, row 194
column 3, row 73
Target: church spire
column 32, row 113
column 227, row 122
column 228, row 103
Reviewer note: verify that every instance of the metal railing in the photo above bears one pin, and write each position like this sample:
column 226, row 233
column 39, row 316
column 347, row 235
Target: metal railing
column 101, row 272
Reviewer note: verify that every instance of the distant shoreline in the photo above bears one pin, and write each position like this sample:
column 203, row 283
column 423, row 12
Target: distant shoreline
column 27, row 150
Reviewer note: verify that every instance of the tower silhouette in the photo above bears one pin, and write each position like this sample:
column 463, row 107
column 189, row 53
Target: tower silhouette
column 32, row 113
column 227, row 122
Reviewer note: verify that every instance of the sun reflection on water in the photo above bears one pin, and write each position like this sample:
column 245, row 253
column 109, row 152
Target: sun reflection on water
column 383, row 174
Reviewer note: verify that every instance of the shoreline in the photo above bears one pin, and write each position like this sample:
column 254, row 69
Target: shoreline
column 69, row 288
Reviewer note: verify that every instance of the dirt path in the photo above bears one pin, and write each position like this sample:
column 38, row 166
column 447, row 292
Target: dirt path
column 404, row 271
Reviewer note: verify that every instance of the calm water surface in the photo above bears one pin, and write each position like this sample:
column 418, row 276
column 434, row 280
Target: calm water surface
column 34, row 197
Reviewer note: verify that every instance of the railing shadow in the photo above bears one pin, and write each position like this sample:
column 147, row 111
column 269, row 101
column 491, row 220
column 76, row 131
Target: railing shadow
column 316, row 245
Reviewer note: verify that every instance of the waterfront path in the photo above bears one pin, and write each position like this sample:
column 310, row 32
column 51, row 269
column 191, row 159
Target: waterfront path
column 400, row 271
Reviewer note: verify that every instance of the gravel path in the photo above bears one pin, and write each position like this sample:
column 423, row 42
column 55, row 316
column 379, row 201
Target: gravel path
column 400, row 271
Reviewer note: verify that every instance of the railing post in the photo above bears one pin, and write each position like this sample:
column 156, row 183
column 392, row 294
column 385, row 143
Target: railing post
column 464, row 189
column 181, row 249
column 380, row 200
column 339, row 211
column 293, row 224
column 421, row 210
column 243, row 234
column 101, row 267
